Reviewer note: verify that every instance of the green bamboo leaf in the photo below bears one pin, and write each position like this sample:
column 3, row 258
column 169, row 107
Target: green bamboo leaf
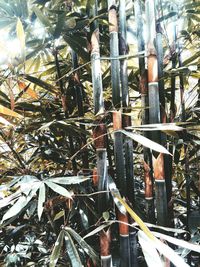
column 78, row 45
column 72, row 251
column 191, row 59
column 40, row 83
column 58, row 189
column 59, row 215
column 21, row 36
column 7, row 8
column 84, row 245
column 59, row 25
column 16, row 208
column 169, row 15
column 5, row 22
column 41, row 200
column 146, row 142
column 57, row 249
column 43, row 19
column 68, row 180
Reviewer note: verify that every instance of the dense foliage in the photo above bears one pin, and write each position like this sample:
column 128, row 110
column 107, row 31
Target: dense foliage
column 49, row 199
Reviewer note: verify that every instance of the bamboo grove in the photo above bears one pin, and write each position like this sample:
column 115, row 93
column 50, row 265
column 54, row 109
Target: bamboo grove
column 100, row 133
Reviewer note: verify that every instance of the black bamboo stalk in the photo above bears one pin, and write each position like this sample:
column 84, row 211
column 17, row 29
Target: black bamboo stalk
column 114, row 52
column 99, row 134
column 167, row 158
column 96, row 74
column 123, row 50
column 126, row 120
column 154, row 114
column 64, row 105
column 148, row 178
column 79, row 99
column 119, row 153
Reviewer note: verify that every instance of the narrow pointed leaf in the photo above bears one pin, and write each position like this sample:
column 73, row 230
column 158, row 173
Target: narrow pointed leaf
column 58, row 189
column 9, row 112
column 21, row 36
column 87, row 248
column 178, row 242
column 68, row 180
column 150, row 253
column 57, row 249
column 146, row 142
column 43, row 19
column 41, row 200
column 72, row 251
column 16, row 208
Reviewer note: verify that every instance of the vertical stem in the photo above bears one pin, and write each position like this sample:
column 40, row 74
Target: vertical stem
column 119, row 153
column 154, row 114
column 100, row 143
column 148, row 178
column 64, row 105
column 96, row 74
column 126, row 120
column 124, row 240
column 167, row 158
column 114, row 52
column 79, row 99
column 123, row 50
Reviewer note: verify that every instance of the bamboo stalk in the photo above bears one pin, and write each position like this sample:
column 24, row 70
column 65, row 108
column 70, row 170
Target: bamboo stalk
column 119, row 153
column 105, row 239
column 125, row 260
column 126, row 120
column 123, row 50
column 154, row 114
column 64, row 105
column 167, row 159
column 96, row 74
column 100, row 143
column 79, row 99
column 114, row 52
column 148, row 178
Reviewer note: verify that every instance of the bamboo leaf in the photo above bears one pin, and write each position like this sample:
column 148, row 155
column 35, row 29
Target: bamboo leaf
column 72, row 251
column 68, row 180
column 59, row 215
column 40, row 83
column 57, row 249
column 9, row 112
column 178, row 242
column 150, row 253
column 87, row 248
column 98, row 229
column 58, row 189
column 21, row 36
column 27, row 89
column 43, row 19
column 146, row 142
column 41, row 200
column 16, row 208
